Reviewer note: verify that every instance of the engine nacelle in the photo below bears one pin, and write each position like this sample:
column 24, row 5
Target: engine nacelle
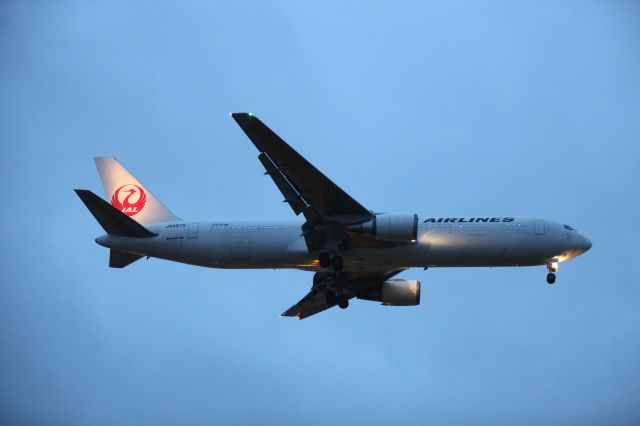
column 400, row 227
column 396, row 292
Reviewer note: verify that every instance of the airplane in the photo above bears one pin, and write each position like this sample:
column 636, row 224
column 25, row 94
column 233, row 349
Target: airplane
column 354, row 252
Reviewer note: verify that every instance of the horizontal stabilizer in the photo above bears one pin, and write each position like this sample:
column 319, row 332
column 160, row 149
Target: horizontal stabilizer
column 120, row 259
column 113, row 221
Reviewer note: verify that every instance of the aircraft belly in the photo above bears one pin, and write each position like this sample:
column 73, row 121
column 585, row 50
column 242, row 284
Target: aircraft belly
column 256, row 250
column 227, row 249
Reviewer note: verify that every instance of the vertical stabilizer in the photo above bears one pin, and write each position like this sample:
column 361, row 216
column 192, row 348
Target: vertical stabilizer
column 129, row 196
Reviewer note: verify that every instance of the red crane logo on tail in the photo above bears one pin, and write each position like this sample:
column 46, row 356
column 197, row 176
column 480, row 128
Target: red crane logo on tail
column 129, row 199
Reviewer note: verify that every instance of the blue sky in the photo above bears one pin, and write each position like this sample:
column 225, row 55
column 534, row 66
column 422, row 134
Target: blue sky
column 450, row 108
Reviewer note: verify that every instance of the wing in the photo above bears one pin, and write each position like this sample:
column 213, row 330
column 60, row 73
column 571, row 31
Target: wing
column 325, row 285
column 302, row 185
column 328, row 209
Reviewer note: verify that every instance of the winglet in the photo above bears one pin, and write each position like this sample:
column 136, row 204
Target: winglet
column 239, row 115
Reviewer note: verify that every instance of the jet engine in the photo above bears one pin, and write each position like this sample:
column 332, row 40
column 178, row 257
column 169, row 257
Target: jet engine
column 399, row 227
column 396, row 292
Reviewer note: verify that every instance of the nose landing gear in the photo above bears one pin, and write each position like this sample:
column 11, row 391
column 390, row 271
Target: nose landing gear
column 552, row 267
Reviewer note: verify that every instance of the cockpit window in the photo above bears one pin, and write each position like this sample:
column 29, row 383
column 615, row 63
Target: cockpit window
column 569, row 228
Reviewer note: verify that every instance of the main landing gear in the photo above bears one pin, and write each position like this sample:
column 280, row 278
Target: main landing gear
column 333, row 294
column 326, row 261
column 552, row 267
column 333, row 299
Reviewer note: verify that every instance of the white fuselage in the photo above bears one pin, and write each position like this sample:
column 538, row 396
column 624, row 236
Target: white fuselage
column 280, row 244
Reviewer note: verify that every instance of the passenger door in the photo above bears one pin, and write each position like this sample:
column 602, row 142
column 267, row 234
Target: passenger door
column 193, row 230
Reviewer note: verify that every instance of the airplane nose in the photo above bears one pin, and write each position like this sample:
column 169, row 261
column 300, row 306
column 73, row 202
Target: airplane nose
column 585, row 244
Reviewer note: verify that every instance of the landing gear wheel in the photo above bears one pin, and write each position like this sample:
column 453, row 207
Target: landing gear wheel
column 325, row 260
column 336, row 263
column 330, row 298
column 551, row 278
column 343, row 302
